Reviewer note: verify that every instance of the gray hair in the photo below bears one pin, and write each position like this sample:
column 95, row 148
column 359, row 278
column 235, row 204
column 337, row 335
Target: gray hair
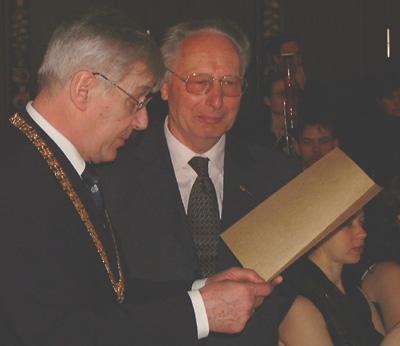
column 176, row 34
column 103, row 41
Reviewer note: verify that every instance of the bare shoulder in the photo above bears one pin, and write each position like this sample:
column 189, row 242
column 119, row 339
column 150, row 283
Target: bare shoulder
column 382, row 286
column 382, row 275
column 304, row 323
column 389, row 267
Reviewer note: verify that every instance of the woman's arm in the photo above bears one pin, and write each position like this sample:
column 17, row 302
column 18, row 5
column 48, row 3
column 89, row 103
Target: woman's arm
column 304, row 325
column 382, row 286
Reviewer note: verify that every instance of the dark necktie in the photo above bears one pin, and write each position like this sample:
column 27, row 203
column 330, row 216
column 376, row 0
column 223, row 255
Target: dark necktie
column 92, row 182
column 203, row 215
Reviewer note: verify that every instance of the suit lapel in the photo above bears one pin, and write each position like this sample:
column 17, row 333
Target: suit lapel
column 238, row 197
column 71, row 175
column 153, row 152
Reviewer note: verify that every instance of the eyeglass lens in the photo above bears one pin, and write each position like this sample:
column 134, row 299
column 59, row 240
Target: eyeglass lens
column 201, row 83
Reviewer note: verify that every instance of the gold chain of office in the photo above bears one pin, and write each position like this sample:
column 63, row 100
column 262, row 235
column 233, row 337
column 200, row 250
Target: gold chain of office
column 61, row 176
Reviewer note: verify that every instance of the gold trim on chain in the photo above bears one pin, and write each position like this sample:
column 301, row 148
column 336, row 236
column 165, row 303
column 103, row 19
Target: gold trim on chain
column 61, row 176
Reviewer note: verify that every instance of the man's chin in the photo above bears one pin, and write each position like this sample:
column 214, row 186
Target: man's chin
column 110, row 156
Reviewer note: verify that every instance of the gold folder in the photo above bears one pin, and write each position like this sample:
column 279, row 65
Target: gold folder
column 299, row 215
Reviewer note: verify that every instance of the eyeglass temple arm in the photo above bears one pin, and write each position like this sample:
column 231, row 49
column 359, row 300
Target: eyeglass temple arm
column 176, row 75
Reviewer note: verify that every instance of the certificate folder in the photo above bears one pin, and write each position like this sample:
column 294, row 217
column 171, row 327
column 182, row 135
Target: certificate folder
column 299, row 215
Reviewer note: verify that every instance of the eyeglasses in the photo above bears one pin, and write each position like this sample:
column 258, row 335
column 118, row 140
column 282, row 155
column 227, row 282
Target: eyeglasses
column 202, row 83
column 138, row 105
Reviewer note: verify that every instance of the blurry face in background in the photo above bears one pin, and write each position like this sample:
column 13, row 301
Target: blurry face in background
column 391, row 104
column 276, row 99
column 314, row 142
column 294, row 47
column 346, row 244
column 290, row 47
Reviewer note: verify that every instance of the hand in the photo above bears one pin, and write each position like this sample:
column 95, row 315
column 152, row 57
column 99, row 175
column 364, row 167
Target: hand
column 230, row 304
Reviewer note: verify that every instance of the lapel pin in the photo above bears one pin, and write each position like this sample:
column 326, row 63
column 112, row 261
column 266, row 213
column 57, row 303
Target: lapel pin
column 243, row 189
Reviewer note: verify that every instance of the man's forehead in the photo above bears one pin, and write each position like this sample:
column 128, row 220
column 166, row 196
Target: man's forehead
column 206, row 47
column 207, row 36
column 140, row 75
column 290, row 47
column 278, row 84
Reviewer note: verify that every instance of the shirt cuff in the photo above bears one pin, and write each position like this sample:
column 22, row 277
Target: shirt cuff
column 197, row 284
column 203, row 328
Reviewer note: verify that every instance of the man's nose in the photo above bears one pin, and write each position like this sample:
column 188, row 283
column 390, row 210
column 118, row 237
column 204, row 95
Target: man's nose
column 140, row 119
column 361, row 232
column 215, row 95
column 316, row 147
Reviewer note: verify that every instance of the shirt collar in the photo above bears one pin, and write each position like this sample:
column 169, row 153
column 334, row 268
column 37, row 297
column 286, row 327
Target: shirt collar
column 181, row 154
column 62, row 142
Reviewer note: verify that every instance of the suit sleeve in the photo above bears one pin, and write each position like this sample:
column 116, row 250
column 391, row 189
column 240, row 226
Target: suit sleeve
column 55, row 290
column 37, row 312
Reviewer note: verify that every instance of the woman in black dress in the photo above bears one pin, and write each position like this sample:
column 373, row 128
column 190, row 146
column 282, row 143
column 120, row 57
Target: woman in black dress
column 326, row 312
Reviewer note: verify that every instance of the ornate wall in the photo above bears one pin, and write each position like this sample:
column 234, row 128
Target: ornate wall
column 334, row 51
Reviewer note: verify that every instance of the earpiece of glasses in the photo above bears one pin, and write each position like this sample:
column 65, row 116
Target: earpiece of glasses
column 138, row 105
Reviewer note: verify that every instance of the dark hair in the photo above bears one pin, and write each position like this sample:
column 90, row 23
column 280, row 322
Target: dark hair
column 383, row 222
column 316, row 109
column 274, row 45
column 268, row 82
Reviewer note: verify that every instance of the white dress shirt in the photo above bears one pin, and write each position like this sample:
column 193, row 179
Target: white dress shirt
column 185, row 174
column 63, row 143
column 79, row 164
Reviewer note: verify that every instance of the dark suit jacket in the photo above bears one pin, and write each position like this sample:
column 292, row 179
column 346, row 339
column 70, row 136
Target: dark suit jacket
column 54, row 288
column 148, row 213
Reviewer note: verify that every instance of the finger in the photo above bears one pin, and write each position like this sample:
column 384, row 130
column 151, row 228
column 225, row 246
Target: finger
column 245, row 274
column 276, row 280
column 262, row 289
column 258, row 301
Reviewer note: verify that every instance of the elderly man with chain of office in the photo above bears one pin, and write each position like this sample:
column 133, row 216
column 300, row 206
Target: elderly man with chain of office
column 195, row 179
column 64, row 280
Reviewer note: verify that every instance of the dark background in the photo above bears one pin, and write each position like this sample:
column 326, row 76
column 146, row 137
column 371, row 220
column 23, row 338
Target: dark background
column 344, row 43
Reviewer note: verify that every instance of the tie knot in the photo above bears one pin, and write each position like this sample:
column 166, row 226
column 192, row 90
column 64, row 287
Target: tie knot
column 200, row 165
column 89, row 175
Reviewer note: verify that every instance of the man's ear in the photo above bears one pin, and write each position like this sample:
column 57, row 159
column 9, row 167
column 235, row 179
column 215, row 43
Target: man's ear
column 164, row 90
column 79, row 87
